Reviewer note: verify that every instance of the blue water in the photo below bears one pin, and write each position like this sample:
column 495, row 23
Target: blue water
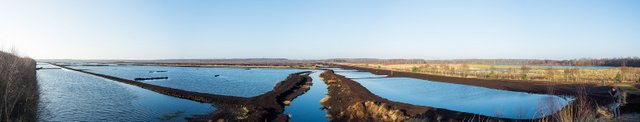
column 73, row 96
column 240, row 82
column 307, row 107
column 464, row 98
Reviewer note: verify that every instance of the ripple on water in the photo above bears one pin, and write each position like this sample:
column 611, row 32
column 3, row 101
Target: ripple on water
column 72, row 96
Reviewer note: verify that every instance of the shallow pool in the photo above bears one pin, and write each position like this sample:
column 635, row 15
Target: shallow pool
column 73, row 96
column 243, row 82
column 463, row 98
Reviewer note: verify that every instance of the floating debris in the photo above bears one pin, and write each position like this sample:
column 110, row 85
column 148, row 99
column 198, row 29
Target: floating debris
column 157, row 71
column 216, row 75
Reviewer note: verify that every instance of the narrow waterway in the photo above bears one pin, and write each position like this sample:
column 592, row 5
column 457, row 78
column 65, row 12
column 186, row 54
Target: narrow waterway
column 307, row 107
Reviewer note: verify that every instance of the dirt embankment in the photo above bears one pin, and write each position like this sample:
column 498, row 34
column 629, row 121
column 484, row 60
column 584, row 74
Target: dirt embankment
column 347, row 100
column 595, row 92
column 265, row 107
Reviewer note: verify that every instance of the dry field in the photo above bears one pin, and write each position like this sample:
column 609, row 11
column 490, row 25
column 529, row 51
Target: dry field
column 518, row 72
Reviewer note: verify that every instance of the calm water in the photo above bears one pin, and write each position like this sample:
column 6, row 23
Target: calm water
column 354, row 74
column 229, row 81
column 464, row 98
column 307, row 107
column 73, row 96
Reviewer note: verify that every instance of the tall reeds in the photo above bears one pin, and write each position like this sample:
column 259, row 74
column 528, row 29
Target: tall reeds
column 19, row 92
column 582, row 109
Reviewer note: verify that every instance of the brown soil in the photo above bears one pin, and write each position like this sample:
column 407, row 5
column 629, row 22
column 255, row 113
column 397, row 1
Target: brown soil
column 595, row 92
column 347, row 100
column 266, row 107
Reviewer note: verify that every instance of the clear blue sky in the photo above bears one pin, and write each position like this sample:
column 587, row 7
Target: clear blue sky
column 318, row 29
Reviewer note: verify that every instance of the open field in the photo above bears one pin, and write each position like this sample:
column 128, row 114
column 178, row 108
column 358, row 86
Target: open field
column 518, row 72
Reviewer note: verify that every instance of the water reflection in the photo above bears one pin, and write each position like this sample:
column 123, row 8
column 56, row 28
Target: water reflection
column 224, row 81
column 72, row 96
column 464, row 98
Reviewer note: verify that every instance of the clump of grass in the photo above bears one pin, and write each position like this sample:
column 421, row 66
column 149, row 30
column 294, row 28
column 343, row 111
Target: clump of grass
column 582, row 109
column 19, row 92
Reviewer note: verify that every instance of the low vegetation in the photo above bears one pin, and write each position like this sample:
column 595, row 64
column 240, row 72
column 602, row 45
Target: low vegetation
column 517, row 72
column 18, row 88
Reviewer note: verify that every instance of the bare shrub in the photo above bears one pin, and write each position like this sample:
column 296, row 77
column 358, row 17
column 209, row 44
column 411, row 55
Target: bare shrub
column 18, row 88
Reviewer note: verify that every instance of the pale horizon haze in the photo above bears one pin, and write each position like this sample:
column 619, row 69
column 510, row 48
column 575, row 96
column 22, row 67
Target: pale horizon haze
column 165, row 29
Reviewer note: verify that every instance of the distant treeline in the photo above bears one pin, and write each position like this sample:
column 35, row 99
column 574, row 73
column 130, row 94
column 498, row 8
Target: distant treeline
column 631, row 61
column 19, row 92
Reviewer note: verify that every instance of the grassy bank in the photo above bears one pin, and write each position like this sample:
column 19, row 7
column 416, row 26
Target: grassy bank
column 18, row 88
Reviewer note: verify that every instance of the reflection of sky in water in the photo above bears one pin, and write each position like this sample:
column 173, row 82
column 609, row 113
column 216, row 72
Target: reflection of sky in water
column 73, row 96
column 306, row 107
column 464, row 98
column 231, row 81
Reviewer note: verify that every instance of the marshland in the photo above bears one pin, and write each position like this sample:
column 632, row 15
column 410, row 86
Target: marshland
column 318, row 61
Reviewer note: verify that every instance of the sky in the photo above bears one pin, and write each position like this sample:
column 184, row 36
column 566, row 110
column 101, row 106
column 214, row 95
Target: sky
column 321, row 29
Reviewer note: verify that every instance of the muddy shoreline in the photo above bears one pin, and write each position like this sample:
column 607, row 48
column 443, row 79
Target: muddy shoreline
column 347, row 100
column 266, row 107
column 595, row 92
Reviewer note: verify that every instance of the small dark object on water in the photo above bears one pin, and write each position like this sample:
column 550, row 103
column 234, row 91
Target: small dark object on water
column 41, row 68
column 94, row 65
column 247, row 68
column 216, row 75
column 154, row 78
column 157, row 71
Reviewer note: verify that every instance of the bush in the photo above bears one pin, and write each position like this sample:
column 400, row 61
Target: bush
column 525, row 77
column 618, row 78
column 414, row 69
column 491, row 75
column 18, row 88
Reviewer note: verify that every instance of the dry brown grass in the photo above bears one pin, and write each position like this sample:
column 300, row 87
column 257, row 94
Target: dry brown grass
column 515, row 72
column 18, row 88
column 582, row 109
